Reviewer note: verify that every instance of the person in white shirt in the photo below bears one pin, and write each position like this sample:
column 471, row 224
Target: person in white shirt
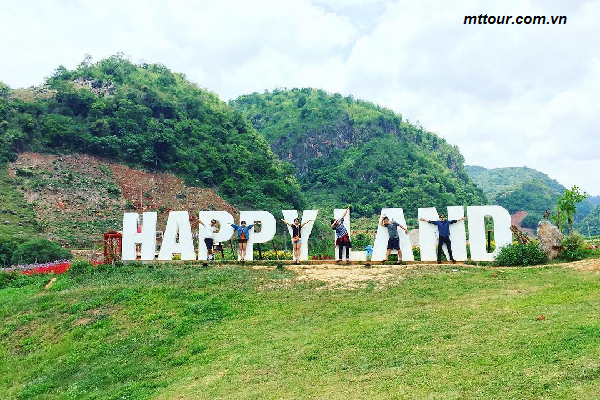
column 209, row 240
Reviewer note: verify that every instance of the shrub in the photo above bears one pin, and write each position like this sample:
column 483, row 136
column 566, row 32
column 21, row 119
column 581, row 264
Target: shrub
column 573, row 244
column 40, row 251
column 531, row 221
column 417, row 253
column 13, row 279
column 80, row 267
column 521, row 254
column 5, row 279
column 8, row 245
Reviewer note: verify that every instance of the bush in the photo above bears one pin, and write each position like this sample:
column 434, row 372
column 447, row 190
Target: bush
column 8, row 245
column 5, row 279
column 521, row 254
column 573, row 245
column 80, row 267
column 417, row 253
column 531, row 221
column 40, row 251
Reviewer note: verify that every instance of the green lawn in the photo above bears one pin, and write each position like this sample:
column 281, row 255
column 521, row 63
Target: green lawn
column 234, row 333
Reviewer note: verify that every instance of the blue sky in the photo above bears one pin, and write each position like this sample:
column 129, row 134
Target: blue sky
column 512, row 95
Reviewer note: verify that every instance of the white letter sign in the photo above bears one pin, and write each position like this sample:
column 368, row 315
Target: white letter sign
column 131, row 237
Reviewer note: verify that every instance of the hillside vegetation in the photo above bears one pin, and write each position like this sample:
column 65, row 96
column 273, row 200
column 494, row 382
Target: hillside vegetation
column 590, row 225
column 180, row 331
column 146, row 115
column 352, row 151
column 17, row 217
column 523, row 189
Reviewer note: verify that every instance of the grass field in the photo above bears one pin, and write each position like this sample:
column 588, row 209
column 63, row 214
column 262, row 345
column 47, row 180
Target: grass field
column 230, row 332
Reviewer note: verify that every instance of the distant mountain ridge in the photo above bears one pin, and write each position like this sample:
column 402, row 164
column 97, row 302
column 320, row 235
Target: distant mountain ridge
column 523, row 189
column 495, row 181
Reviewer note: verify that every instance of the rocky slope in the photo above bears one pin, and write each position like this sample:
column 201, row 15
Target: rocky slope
column 76, row 198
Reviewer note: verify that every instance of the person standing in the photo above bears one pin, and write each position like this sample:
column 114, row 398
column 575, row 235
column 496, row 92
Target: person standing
column 342, row 236
column 210, row 237
column 394, row 240
column 444, row 235
column 243, row 233
column 296, row 236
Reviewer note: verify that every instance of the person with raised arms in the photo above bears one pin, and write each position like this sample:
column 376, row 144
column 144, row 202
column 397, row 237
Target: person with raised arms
column 342, row 236
column 243, row 233
column 296, row 236
column 394, row 239
column 444, row 235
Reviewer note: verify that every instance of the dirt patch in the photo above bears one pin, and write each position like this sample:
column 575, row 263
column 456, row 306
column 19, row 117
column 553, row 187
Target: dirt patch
column 336, row 276
column 516, row 220
column 343, row 277
column 589, row 265
column 144, row 191
column 82, row 321
column 50, row 283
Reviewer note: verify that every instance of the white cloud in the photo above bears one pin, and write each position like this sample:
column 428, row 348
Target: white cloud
column 507, row 95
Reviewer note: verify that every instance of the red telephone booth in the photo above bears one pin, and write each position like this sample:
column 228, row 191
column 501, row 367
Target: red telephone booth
column 113, row 246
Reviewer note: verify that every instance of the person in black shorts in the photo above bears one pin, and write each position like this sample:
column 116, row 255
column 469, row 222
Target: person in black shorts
column 296, row 236
column 394, row 240
column 210, row 237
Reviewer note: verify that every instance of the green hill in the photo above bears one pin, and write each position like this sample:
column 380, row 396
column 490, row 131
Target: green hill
column 147, row 116
column 523, row 189
column 594, row 200
column 351, row 151
column 499, row 181
column 590, row 225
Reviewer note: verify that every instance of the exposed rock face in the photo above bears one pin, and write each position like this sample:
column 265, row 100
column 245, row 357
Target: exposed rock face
column 550, row 239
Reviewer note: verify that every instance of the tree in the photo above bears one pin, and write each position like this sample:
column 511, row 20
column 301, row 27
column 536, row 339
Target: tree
column 39, row 250
column 566, row 207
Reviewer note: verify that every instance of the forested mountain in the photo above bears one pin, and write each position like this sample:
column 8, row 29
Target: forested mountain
column 594, row 200
column 590, row 225
column 523, row 189
column 499, row 181
column 351, row 151
column 145, row 115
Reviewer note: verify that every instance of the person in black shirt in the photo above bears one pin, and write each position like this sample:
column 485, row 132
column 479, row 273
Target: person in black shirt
column 296, row 236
